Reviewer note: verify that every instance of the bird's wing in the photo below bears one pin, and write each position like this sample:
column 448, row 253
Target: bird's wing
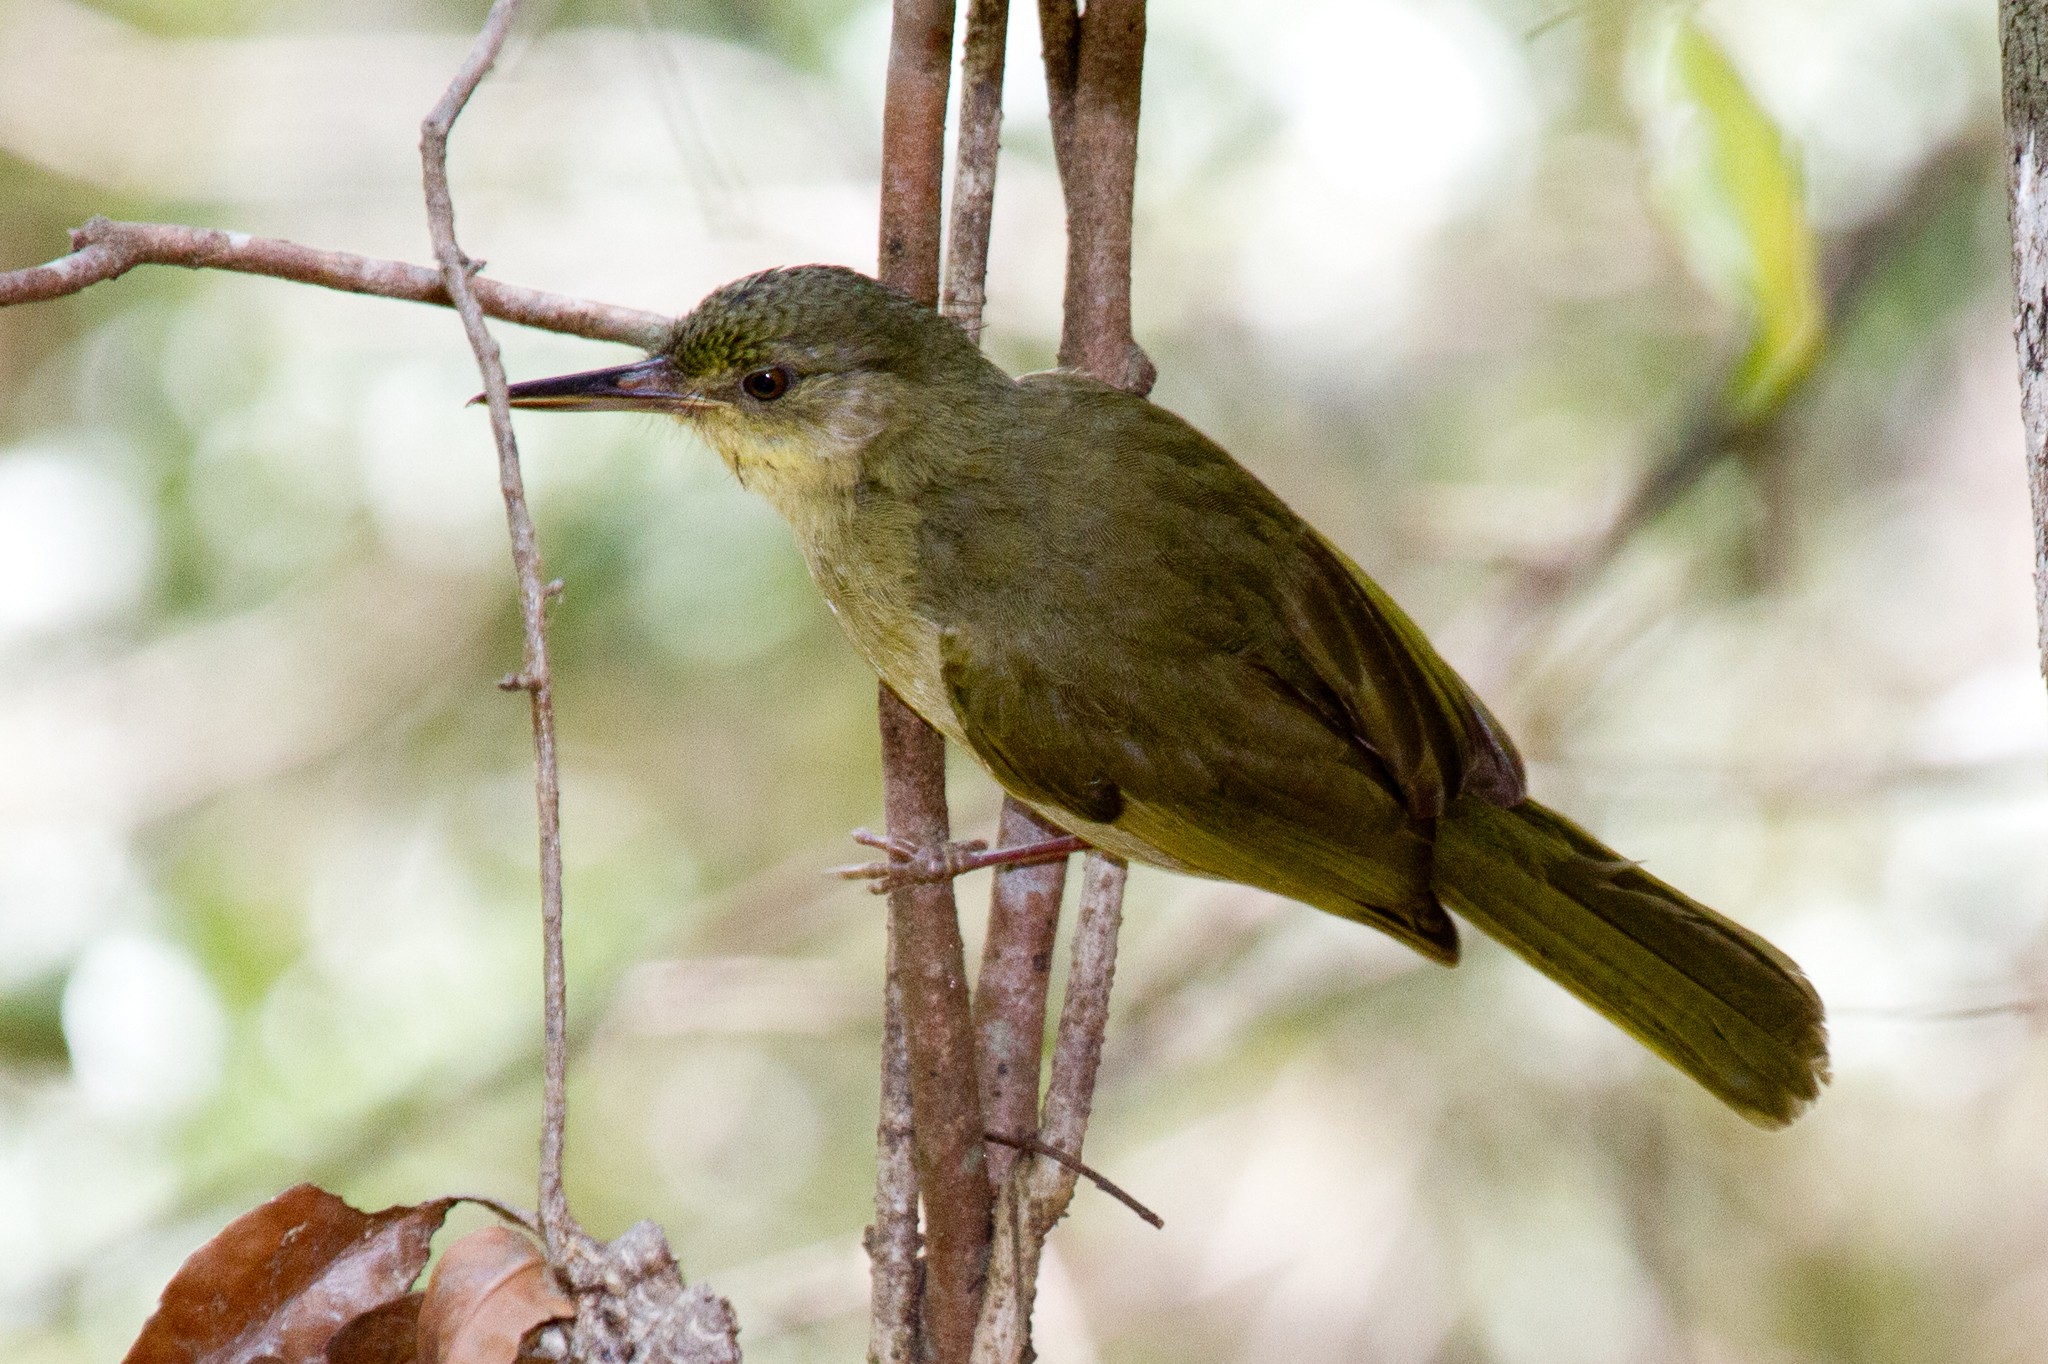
column 1338, row 643
column 1198, row 763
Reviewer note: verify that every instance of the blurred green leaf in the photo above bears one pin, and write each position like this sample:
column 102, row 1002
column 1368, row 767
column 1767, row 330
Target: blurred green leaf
column 32, row 1025
column 1734, row 197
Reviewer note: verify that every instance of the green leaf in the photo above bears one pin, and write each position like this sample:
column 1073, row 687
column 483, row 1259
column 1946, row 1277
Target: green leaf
column 1732, row 192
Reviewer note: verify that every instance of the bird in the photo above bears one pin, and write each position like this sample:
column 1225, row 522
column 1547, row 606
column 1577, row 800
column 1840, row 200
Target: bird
column 1147, row 646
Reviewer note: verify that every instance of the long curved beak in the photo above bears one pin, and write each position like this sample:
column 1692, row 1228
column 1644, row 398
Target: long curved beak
column 651, row 385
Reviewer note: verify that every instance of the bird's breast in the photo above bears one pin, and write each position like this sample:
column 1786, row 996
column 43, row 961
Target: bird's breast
column 864, row 561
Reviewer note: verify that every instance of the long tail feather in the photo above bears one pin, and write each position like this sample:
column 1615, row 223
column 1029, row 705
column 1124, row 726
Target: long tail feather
column 1706, row 994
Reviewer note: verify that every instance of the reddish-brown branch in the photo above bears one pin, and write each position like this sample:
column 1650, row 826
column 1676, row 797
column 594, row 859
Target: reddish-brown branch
column 930, row 968
column 535, row 677
column 1094, row 68
column 103, row 249
column 929, row 960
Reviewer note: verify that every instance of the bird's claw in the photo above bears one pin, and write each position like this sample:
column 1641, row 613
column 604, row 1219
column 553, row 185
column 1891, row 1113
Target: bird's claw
column 909, row 864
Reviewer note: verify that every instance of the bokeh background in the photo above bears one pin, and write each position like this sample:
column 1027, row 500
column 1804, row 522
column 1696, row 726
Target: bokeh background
column 1656, row 358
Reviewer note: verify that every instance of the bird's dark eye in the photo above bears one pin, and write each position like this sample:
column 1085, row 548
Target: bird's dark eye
column 766, row 385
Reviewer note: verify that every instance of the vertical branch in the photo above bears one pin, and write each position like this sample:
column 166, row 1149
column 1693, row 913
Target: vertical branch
column 1093, row 68
column 534, row 676
column 2024, row 32
column 1036, row 1195
column 1024, row 903
column 929, row 963
column 892, row 1243
column 1016, row 975
column 974, row 164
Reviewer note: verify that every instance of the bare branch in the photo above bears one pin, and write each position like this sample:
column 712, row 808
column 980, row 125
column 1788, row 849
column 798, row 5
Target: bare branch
column 1016, row 974
column 104, row 249
column 1084, row 1015
column 892, row 1242
column 558, row 1228
column 1036, row 1196
column 2024, row 31
column 1094, row 67
column 974, row 164
column 930, row 964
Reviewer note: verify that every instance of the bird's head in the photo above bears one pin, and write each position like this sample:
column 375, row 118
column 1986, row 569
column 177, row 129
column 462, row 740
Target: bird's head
column 789, row 374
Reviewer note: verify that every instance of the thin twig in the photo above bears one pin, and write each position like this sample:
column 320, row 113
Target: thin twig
column 534, row 676
column 103, row 249
column 1086, row 1171
column 974, row 163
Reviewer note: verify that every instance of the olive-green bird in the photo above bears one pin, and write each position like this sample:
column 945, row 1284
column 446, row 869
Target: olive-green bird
column 1142, row 642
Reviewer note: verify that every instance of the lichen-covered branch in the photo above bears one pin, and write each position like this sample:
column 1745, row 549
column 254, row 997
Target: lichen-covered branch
column 2023, row 30
column 974, row 164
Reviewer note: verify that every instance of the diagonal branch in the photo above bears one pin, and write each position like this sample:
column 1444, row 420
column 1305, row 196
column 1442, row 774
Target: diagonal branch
column 105, row 249
column 534, row 676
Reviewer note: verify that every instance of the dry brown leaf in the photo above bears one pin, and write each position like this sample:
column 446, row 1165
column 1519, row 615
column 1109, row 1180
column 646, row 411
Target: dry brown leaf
column 382, row 1335
column 280, row 1280
column 490, row 1289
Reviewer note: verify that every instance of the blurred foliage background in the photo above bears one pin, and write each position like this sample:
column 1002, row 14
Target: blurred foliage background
column 1656, row 358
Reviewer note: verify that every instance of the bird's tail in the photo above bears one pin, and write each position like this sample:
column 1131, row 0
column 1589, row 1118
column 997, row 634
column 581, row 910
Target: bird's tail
column 1706, row 994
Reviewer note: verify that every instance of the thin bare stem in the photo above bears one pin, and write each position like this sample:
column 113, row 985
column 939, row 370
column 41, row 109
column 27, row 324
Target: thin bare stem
column 103, row 249
column 974, row 164
column 2024, row 30
column 1081, row 1168
column 534, row 677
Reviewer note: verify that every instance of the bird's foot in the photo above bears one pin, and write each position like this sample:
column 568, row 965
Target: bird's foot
column 910, row 864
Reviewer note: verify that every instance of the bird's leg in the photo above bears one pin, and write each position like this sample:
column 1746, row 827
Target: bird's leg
column 912, row 865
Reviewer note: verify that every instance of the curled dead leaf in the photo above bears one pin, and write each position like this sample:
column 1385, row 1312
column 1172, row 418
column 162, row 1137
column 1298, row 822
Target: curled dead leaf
column 490, row 1289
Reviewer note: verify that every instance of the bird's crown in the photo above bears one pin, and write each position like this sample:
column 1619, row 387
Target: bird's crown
column 836, row 317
